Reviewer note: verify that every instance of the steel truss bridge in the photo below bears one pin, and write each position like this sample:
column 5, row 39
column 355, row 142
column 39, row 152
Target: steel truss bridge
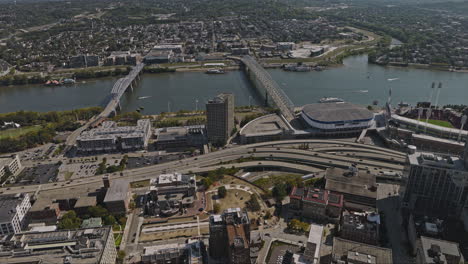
column 119, row 88
column 278, row 98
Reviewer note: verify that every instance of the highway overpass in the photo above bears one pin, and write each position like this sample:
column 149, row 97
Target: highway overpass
column 265, row 155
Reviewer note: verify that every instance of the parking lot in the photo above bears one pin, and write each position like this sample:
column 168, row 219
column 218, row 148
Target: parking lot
column 40, row 174
column 39, row 153
column 278, row 251
column 76, row 170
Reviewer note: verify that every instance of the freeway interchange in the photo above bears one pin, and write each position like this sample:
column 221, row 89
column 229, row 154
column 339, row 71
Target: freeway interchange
column 277, row 155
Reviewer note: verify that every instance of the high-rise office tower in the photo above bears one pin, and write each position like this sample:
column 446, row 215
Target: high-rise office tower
column 230, row 236
column 437, row 184
column 220, row 118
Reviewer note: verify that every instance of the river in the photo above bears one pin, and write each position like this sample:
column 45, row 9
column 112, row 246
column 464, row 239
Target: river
column 356, row 81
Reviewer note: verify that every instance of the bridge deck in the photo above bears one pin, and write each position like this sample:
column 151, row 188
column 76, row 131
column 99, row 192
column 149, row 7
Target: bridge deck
column 120, row 86
column 280, row 99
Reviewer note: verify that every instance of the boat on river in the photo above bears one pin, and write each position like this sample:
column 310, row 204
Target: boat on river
column 331, row 100
column 215, row 71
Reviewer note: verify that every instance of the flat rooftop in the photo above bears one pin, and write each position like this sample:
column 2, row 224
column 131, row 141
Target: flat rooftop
column 110, row 131
column 8, row 203
column 440, row 246
column 237, row 237
column 48, row 198
column 118, row 191
column 172, row 178
column 266, row 125
column 221, row 98
column 336, row 112
column 152, row 250
column 362, row 184
column 315, row 237
column 167, row 46
column 169, row 178
column 308, row 194
column 6, row 160
column 436, row 160
column 81, row 246
column 361, row 221
column 347, row 249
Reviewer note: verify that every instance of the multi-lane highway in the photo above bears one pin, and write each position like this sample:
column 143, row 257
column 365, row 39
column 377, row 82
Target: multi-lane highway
column 275, row 154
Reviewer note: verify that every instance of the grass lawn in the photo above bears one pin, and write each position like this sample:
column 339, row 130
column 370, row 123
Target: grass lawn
column 273, row 180
column 233, row 201
column 440, row 123
column 183, row 118
column 16, row 132
column 140, row 184
column 178, row 233
column 117, row 239
column 68, row 175
column 233, row 180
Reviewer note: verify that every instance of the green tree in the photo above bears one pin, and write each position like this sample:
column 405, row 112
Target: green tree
column 98, row 211
column 69, row 221
column 132, row 205
column 109, row 220
column 222, row 192
column 298, row 226
column 216, row 208
column 279, row 192
column 206, row 182
column 101, row 167
column 123, row 220
column 120, row 256
column 253, row 203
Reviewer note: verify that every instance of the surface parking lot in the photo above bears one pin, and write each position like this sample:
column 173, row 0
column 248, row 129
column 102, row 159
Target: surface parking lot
column 42, row 173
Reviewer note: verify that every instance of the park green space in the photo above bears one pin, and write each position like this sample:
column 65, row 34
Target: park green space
column 16, row 132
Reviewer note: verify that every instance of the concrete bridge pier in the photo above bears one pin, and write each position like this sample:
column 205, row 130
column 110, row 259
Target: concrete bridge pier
column 113, row 113
column 118, row 107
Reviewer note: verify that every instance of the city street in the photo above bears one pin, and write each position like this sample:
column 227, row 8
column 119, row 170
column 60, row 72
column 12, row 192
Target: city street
column 388, row 202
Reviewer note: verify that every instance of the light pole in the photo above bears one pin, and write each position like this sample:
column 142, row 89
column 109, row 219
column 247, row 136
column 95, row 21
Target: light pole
column 420, row 112
column 428, row 114
column 463, row 122
column 437, row 96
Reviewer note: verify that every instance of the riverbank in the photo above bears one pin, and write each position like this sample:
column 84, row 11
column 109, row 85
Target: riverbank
column 39, row 128
column 426, row 67
column 355, row 81
column 81, row 74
